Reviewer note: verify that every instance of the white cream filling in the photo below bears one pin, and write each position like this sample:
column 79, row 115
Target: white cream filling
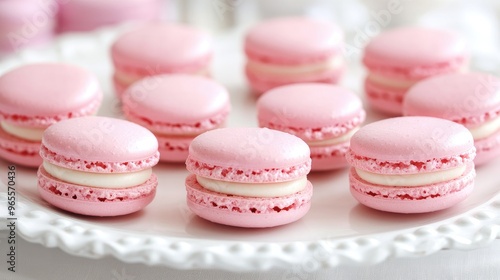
column 100, row 180
column 333, row 141
column 391, row 82
column 332, row 63
column 254, row 189
column 412, row 180
column 486, row 129
column 27, row 133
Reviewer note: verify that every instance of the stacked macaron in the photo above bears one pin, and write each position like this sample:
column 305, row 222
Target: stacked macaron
column 85, row 15
column 29, row 104
column 176, row 108
column 411, row 164
column 470, row 99
column 159, row 48
column 248, row 177
column 293, row 50
column 399, row 58
column 324, row 116
column 98, row 166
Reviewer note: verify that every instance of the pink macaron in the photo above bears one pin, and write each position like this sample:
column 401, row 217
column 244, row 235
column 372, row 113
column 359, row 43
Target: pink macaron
column 293, row 50
column 85, row 15
column 399, row 58
column 35, row 96
column 25, row 23
column 98, row 166
column 470, row 99
column 249, row 177
column 160, row 48
column 411, row 164
column 324, row 116
column 176, row 108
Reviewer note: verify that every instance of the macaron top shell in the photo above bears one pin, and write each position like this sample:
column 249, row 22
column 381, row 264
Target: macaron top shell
column 99, row 144
column 311, row 111
column 247, row 154
column 159, row 47
column 415, row 49
column 466, row 98
column 42, row 94
column 177, row 103
column 410, row 145
column 293, row 40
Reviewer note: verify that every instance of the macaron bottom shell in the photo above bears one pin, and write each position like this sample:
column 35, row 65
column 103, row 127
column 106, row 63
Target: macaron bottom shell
column 385, row 99
column 260, row 84
column 19, row 151
column 329, row 157
column 487, row 149
column 248, row 212
column 420, row 199
column 93, row 201
column 173, row 149
column 28, row 160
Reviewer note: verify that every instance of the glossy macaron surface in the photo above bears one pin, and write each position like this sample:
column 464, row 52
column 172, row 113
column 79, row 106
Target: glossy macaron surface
column 99, row 144
column 248, row 149
column 410, row 145
column 26, row 96
column 415, row 51
column 177, row 104
column 86, row 15
column 466, row 98
column 311, row 40
column 159, row 48
column 310, row 110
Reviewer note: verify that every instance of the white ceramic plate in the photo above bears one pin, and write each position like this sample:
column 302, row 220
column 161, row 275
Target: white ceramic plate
column 336, row 231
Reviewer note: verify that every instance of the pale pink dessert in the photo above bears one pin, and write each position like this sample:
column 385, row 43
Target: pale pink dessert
column 176, row 108
column 249, row 177
column 86, row 15
column 31, row 100
column 324, row 116
column 399, row 58
column 160, row 48
column 291, row 50
column 26, row 23
column 98, row 166
column 470, row 99
column 411, row 164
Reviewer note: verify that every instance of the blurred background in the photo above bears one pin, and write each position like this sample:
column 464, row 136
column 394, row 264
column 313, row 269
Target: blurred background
column 27, row 23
